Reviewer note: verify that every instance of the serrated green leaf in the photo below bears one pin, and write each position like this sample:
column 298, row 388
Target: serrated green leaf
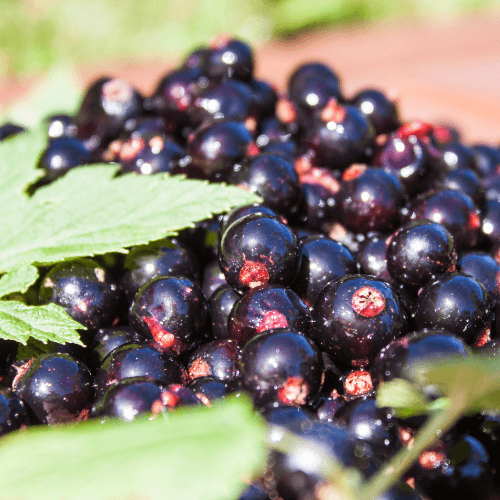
column 48, row 322
column 406, row 399
column 18, row 158
column 193, row 454
column 87, row 212
column 474, row 382
column 18, row 280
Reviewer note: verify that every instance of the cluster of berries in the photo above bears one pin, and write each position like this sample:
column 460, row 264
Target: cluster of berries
column 377, row 245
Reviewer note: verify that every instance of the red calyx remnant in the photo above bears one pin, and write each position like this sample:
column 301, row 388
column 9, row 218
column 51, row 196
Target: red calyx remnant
column 302, row 165
column 323, row 177
column 474, row 221
column 162, row 337
column 285, row 110
column 432, row 459
column 169, row 399
column 417, row 128
column 199, row 368
column 21, row 370
column 254, row 274
column 130, row 149
column 368, row 301
column 220, row 41
column 354, row 171
column 272, row 319
column 333, row 112
column 294, row 391
column 357, row 383
column 252, row 149
column 116, row 90
column 483, row 338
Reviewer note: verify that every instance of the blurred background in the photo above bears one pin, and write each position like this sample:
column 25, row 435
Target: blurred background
column 390, row 44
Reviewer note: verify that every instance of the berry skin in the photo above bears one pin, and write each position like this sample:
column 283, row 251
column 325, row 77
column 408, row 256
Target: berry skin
column 56, row 387
column 272, row 178
column 355, row 316
column 217, row 359
column 341, row 137
column 258, row 250
column 229, row 58
column 371, row 256
column 456, row 302
column 128, row 398
column 108, row 339
column 13, row 413
column 453, row 210
column 207, row 389
column 419, row 251
column 370, row 199
column 323, row 260
column 376, row 426
column 281, row 366
column 380, row 111
column 264, row 308
column 172, row 311
column 169, row 258
column 9, row 130
column 139, row 359
column 84, row 290
column 215, row 147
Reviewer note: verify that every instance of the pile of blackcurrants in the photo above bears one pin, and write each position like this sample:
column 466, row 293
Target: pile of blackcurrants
column 377, row 245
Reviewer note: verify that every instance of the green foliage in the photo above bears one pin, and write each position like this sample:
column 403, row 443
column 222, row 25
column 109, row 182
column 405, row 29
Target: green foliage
column 87, row 212
column 192, row 453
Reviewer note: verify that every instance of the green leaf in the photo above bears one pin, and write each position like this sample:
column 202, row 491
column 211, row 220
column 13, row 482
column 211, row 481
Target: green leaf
column 49, row 322
column 406, row 399
column 87, row 212
column 18, row 158
column 18, row 280
column 192, row 454
column 473, row 382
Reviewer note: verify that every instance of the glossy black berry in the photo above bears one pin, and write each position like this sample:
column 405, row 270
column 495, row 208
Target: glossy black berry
column 63, row 154
column 139, row 359
column 323, row 260
column 61, row 126
column 355, row 316
column 265, row 308
column 281, row 366
column 400, row 358
column 419, row 251
column 328, row 407
column 487, row 159
column 217, row 358
column 272, row 178
column 128, row 399
column 452, row 209
column 168, row 258
column 259, row 250
column 208, row 389
column 456, row 302
column 106, row 106
column 221, row 303
column 376, row 426
column 84, row 289
column 239, row 212
column 379, row 109
column 371, row 255
column 485, row 269
column 9, row 130
column 13, row 413
column 172, row 311
column 213, row 278
column 342, row 136
column 370, row 199
column 215, row 147
column 457, row 155
column 229, row 58
column 108, row 339
column 56, row 387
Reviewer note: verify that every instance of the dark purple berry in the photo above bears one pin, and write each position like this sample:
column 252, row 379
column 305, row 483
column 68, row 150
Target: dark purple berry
column 265, row 308
column 221, row 303
column 56, row 387
column 217, row 358
column 172, row 311
column 13, row 413
column 229, row 58
column 108, row 339
column 355, row 316
column 379, row 109
column 259, row 250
